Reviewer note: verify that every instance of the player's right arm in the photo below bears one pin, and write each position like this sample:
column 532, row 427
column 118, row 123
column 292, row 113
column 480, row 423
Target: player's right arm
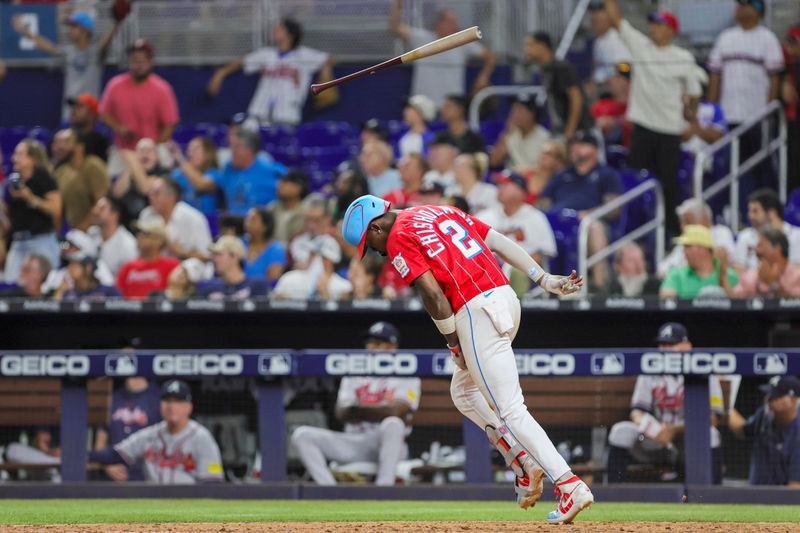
column 396, row 25
column 215, row 83
column 42, row 43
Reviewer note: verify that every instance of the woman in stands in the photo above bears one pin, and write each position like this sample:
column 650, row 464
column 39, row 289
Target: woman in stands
column 265, row 256
column 34, row 207
column 194, row 171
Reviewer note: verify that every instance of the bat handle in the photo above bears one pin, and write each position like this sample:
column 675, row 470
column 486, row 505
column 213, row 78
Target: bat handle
column 319, row 87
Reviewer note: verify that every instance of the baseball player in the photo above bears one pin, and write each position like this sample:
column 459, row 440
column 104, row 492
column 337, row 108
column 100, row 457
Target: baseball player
column 377, row 419
column 447, row 255
column 177, row 450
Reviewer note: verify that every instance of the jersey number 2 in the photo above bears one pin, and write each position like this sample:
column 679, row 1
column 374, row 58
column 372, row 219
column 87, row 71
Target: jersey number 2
column 458, row 235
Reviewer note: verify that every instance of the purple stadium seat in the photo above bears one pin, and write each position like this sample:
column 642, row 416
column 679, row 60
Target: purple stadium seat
column 324, row 134
column 490, row 130
column 183, row 134
column 616, row 156
column 325, row 159
column 287, row 155
column 274, row 136
column 565, row 224
column 10, row 138
column 792, row 211
column 213, row 223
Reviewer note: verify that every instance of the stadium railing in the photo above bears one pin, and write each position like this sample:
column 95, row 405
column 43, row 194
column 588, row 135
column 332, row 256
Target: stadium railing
column 501, row 90
column 572, row 28
column 770, row 143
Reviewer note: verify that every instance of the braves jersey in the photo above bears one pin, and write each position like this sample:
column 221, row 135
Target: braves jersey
column 188, row 456
column 662, row 397
column 449, row 243
column 373, row 392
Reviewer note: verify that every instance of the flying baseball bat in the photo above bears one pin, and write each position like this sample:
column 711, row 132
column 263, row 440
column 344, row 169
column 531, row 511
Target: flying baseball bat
column 436, row 47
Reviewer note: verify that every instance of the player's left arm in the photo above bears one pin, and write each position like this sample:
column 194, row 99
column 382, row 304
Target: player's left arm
column 441, row 312
column 373, row 413
column 513, row 254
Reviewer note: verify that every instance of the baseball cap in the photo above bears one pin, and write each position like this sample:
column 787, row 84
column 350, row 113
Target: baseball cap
column 81, row 19
column 374, row 125
column 361, row 212
column 509, row 176
column 432, row 187
column 794, row 33
column 82, row 241
column 781, row 386
column 585, row 137
column 383, row 331
column 528, row 101
column 142, row 45
column 444, row 138
column 85, row 99
column 195, row 269
column 152, row 226
column 228, row 243
column 666, row 18
column 424, row 105
column 758, row 5
column 672, row 333
column 176, row 389
column 695, row 235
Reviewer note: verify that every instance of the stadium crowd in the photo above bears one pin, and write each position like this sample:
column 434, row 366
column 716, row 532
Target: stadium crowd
column 138, row 215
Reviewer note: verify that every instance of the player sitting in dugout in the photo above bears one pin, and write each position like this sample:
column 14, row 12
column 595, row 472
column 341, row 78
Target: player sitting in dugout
column 376, row 413
column 177, row 450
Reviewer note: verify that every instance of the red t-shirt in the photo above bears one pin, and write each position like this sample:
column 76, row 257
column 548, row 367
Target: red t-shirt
column 400, row 199
column 144, row 108
column 449, row 243
column 137, row 278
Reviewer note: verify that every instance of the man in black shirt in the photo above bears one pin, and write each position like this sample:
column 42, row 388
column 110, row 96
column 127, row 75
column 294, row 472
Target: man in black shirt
column 83, row 118
column 566, row 102
column 454, row 112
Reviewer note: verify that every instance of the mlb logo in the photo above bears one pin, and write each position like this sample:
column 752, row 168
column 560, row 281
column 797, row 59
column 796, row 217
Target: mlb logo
column 275, row 365
column 443, row 364
column 608, row 364
column 770, row 363
column 121, row 365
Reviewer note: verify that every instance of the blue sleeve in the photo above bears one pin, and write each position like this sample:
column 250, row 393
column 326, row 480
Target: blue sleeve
column 612, row 184
column 719, row 118
column 279, row 168
column 277, row 254
column 106, row 456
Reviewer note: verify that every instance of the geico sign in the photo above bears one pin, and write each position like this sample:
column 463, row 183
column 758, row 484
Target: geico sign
column 44, row 365
column 688, row 363
column 545, row 364
column 209, row 364
column 378, row 364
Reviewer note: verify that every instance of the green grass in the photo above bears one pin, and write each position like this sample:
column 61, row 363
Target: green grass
column 152, row 511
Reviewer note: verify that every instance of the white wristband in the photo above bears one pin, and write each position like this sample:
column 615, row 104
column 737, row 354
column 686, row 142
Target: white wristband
column 446, row 326
column 535, row 273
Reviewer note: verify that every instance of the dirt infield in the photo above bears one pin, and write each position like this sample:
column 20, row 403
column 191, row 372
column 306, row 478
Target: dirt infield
column 409, row 527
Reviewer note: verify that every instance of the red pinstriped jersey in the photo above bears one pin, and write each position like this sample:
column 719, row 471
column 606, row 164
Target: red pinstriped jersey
column 449, row 243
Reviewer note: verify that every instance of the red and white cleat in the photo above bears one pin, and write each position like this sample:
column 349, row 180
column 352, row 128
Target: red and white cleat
column 573, row 497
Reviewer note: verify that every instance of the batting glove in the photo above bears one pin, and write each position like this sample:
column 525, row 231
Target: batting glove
column 458, row 357
column 561, row 285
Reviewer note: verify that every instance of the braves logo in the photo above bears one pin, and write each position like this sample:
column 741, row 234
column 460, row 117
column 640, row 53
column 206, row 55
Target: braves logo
column 130, row 416
column 169, row 461
column 366, row 396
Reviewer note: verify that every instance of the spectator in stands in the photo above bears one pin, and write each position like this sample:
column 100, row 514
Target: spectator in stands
column 520, row 222
column 376, row 413
column 350, row 184
column 139, row 104
column 365, row 277
column 432, row 194
column 701, row 276
column 696, row 212
column 521, row 144
column 585, row 186
column 134, row 406
column 373, row 130
column 286, row 71
column 746, row 63
column 567, row 105
column 247, row 180
column 194, row 456
column 708, row 125
column 147, row 273
column 84, row 57
column 611, row 109
column 84, row 110
column 117, row 244
column 468, row 172
column 454, row 114
column 552, row 161
column 417, row 113
column 235, row 123
column 774, row 430
column 265, row 256
column 631, row 278
column 142, row 168
column 188, row 234
column 413, row 168
column 664, row 93
column 790, row 93
column 654, row 434
column 82, row 180
column 376, row 161
column 81, row 281
column 232, row 225
column 183, row 280
column 287, row 208
column 44, row 449
column 34, row 207
column 79, row 244
column 32, row 273
column 608, row 50
column 442, row 156
column 194, row 171
column 764, row 210
column 231, row 282
column 444, row 74
column 59, row 148
column 775, row 276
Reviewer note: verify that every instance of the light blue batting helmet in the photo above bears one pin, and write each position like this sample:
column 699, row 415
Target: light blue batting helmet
column 358, row 217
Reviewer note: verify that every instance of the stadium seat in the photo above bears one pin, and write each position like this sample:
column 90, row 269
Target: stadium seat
column 616, row 156
column 490, row 130
column 792, row 211
column 274, row 136
column 565, row 224
column 326, row 159
column 324, row 134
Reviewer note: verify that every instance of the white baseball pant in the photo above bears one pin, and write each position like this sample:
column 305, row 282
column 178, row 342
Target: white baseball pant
column 384, row 445
column 489, row 393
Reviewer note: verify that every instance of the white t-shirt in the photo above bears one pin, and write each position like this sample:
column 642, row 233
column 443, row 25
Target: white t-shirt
column 745, row 60
column 723, row 238
column 609, row 51
column 746, row 241
column 302, row 285
column 411, row 143
column 663, row 397
column 445, row 179
column 117, row 250
column 373, row 392
column 187, row 226
column 285, row 79
column 483, row 196
column 528, row 227
column 442, row 74
column 525, row 152
column 660, row 77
